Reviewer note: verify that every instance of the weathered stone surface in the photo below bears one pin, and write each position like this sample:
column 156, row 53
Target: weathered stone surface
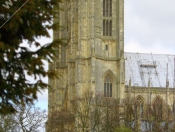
column 84, row 62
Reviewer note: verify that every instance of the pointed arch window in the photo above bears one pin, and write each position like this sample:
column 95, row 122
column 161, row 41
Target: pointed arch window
column 158, row 108
column 139, row 106
column 107, row 87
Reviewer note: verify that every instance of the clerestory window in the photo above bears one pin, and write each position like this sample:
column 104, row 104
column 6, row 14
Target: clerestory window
column 107, row 87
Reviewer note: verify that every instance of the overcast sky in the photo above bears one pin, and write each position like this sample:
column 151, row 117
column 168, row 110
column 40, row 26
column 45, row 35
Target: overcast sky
column 149, row 28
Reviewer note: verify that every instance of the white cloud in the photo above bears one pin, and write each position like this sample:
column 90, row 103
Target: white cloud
column 155, row 49
column 150, row 23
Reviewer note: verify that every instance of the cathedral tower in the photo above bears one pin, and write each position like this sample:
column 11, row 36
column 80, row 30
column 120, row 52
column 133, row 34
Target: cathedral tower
column 94, row 55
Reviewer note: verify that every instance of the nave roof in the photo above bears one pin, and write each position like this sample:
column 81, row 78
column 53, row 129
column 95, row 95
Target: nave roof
column 142, row 67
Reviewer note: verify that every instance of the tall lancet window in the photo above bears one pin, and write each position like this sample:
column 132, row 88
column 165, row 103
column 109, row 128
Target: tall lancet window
column 107, row 8
column 158, row 109
column 107, row 87
column 107, row 17
column 139, row 106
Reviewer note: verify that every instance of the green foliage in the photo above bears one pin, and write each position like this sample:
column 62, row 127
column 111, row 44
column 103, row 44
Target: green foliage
column 32, row 21
column 123, row 129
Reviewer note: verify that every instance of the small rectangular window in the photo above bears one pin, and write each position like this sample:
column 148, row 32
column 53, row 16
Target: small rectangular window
column 106, row 47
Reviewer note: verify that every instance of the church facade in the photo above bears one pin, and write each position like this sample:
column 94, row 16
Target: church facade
column 94, row 58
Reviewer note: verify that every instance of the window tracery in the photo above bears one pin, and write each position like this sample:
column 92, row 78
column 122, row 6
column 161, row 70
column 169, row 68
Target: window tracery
column 140, row 105
column 158, row 108
column 107, row 8
column 107, row 87
column 107, row 20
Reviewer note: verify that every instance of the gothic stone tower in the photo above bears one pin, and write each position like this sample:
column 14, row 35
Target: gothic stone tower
column 94, row 55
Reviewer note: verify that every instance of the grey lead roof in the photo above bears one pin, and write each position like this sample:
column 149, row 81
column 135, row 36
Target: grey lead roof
column 140, row 67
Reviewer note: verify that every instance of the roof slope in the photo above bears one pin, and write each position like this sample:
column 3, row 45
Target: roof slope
column 140, row 67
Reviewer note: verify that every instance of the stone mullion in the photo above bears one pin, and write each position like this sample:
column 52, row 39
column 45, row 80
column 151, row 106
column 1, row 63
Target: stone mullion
column 105, row 89
column 107, row 27
column 104, row 27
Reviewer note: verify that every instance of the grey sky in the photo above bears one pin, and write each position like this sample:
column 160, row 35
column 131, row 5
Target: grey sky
column 149, row 28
